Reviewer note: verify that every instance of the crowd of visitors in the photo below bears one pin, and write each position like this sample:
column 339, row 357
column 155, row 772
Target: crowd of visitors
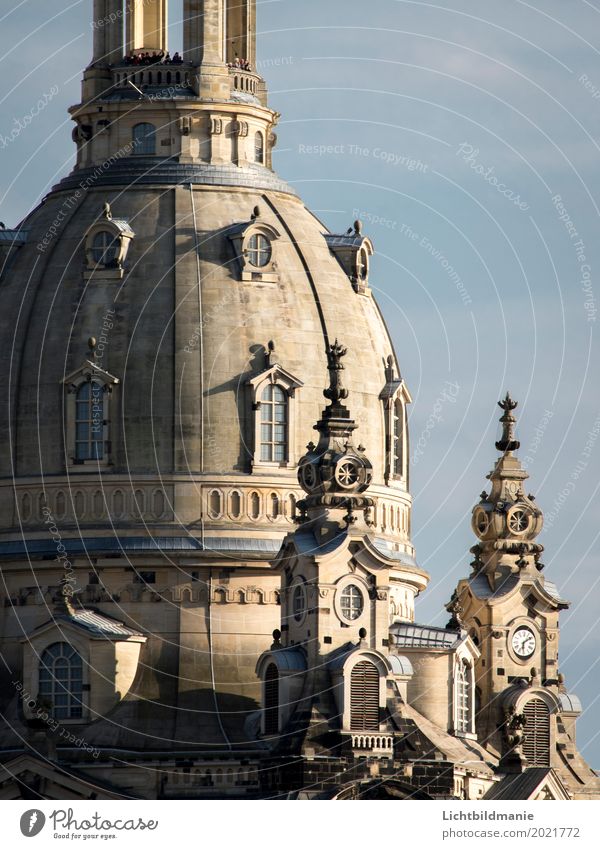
column 146, row 58
column 240, row 64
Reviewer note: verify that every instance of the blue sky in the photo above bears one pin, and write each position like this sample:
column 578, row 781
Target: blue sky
column 462, row 123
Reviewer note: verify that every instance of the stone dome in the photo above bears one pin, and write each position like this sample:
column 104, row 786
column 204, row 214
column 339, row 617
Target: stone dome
column 167, row 312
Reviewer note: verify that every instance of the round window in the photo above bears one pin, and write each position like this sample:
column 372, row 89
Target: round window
column 309, row 477
column 259, row 250
column 105, row 248
column 481, row 522
column 347, row 474
column 299, row 602
column 351, row 602
column 518, row 521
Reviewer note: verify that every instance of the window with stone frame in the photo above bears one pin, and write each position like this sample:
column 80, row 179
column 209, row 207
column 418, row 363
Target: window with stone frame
column 273, row 424
column 61, row 681
column 463, row 698
column 273, row 401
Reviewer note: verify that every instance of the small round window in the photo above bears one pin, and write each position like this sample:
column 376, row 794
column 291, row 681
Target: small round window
column 299, row 602
column 518, row 521
column 351, row 602
column 105, row 248
column 259, row 250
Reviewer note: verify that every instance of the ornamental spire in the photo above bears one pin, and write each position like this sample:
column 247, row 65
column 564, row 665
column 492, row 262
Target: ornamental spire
column 508, row 421
column 336, row 391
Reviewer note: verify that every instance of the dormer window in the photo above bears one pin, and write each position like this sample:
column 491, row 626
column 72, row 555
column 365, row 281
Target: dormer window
column 395, row 398
column 61, row 681
column 254, row 244
column 273, row 427
column 259, row 250
column 88, row 402
column 353, row 250
column 106, row 247
column 272, row 395
column 90, row 421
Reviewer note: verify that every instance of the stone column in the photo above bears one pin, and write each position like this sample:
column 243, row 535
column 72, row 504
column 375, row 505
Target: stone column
column 146, row 25
column 204, row 47
column 99, row 23
column 203, row 22
column 114, row 31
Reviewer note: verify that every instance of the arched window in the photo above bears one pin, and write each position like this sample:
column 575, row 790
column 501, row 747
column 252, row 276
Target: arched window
column 299, row 602
column 536, row 742
column 275, row 510
column 61, row 681
column 398, row 437
column 463, row 698
column 259, row 250
column 259, row 148
column 254, row 505
column 144, row 140
column 105, row 248
column 271, row 699
column 89, row 421
column 364, row 697
column 235, row 504
column 214, row 504
column 273, row 429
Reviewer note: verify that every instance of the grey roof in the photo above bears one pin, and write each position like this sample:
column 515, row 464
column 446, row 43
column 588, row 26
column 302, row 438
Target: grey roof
column 570, row 703
column 407, row 635
column 521, row 786
column 13, row 237
column 42, row 547
column 351, row 240
column 290, row 660
column 123, row 225
column 153, row 170
column 552, row 590
column 481, row 586
column 97, row 624
column 307, row 543
column 386, row 548
column 400, row 664
column 390, row 388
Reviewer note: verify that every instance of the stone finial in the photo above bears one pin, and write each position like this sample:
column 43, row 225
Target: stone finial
column 508, row 442
column 107, row 211
column 358, row 227
column 270, row 353
column 336, row 391
column 255, row 213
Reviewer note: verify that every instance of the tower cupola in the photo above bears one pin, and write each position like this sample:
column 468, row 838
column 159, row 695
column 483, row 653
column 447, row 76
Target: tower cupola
column 506, row 520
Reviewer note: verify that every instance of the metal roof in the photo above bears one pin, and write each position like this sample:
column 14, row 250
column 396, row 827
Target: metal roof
column 570, row 703
column 94, row 545
column 13, row 237
column 400, row 664
column 351, row 240
column 407, row 635
column 289, row 660
column 482, row 589
column 97, row 624
column 387, row 549
column 515, row 787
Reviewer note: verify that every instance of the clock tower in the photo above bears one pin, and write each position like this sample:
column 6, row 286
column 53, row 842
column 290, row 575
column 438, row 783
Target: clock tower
column 511, row 611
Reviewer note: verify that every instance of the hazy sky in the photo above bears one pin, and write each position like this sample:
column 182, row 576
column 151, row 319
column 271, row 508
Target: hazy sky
column 465, row 135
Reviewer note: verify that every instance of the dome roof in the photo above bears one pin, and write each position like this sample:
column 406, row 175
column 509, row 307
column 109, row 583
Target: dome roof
column 201, row 280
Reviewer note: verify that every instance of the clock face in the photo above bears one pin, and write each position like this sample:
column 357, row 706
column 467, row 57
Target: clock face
column 523, row 642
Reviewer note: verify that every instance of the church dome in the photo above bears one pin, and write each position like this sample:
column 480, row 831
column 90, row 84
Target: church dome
column 212, row 294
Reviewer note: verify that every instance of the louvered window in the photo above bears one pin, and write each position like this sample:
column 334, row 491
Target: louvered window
column 364, row 697
column 536, row 743
column 271, row 699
